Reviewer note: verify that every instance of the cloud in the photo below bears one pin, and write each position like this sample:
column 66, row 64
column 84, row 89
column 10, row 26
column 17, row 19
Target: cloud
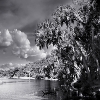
column 21, row 44
column 22, row 48
column 20, row 39
column 35, row 51
column 5, row 38
column 17, row 40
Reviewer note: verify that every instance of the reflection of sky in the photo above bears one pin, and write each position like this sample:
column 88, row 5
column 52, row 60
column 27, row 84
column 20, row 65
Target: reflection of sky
column 23, row 15
column 24, row 89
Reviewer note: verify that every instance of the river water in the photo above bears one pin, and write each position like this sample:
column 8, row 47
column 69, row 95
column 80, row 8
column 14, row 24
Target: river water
column 17, row 89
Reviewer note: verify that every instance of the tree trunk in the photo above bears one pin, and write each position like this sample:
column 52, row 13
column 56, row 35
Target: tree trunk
column 84, row 61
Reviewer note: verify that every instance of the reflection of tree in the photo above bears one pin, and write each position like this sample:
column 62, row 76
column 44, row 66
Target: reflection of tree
column 48, row 86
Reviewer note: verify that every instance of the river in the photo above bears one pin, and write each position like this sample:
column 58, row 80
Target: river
column 17, row 89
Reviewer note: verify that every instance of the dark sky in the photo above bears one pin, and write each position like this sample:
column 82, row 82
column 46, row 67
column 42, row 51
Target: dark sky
column 24, row 15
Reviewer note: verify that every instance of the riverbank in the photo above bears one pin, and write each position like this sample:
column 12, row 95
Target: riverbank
column 27, row 78
column 35, row 78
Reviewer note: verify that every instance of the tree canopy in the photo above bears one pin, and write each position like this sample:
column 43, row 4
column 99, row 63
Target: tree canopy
column 76, row 34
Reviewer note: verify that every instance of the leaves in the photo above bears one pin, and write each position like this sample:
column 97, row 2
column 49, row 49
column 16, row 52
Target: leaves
column 75, row 33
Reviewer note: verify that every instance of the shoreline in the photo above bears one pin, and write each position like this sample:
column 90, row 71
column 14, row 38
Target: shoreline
column 35, row 78
column 28, row 78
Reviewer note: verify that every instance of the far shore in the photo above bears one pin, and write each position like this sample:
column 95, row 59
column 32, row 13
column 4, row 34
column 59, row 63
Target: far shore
column 35, row 78
column 25, row 78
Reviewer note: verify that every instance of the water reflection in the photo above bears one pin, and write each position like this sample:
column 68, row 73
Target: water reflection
column 15, row 89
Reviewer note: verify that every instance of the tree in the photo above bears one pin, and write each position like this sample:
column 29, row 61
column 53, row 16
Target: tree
column 76, row 33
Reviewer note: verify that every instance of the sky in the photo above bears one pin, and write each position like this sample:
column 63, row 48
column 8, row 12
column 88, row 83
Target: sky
column 18, row 20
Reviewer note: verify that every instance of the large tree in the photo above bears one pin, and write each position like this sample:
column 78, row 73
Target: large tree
column 76, row 34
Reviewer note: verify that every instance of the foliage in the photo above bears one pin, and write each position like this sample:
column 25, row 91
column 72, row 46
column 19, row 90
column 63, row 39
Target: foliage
column 38, row 69
column 76, row 34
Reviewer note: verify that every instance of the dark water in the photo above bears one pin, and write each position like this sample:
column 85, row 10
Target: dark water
column 16, row 89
